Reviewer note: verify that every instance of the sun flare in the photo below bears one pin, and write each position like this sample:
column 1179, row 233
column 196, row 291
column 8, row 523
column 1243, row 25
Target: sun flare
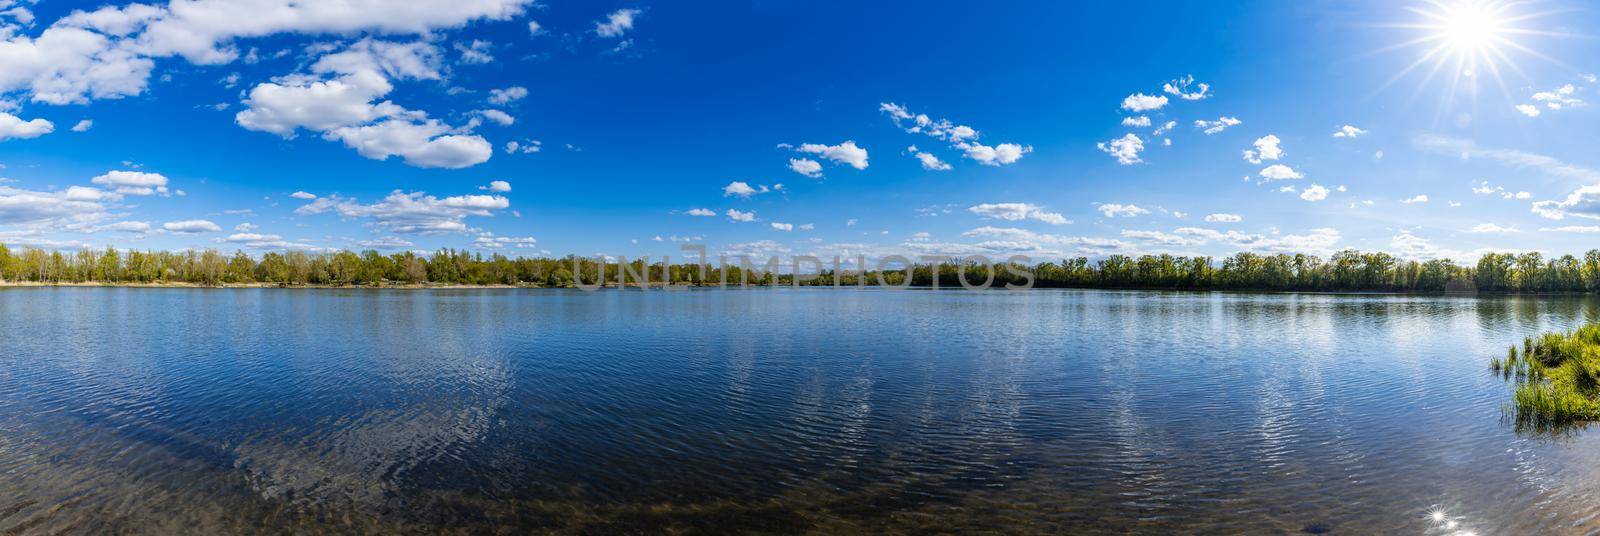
column 1460, row 41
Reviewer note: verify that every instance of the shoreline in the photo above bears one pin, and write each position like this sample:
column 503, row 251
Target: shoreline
column 431, row 286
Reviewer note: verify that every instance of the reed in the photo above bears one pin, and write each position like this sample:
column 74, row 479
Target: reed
column 1557, row 377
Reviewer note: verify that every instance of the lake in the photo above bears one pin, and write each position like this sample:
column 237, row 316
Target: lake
column 778, row 410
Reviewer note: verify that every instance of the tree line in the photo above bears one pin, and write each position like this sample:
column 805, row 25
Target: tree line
column 1348, row 270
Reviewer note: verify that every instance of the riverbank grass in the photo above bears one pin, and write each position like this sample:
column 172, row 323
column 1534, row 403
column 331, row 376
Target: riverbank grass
column 1557, row 377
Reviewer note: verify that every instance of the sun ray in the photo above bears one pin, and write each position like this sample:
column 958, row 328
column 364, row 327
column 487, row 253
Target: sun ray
column 1460, row 39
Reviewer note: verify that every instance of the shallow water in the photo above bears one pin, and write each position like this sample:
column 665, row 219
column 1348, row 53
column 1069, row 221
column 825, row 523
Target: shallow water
column 307, row 411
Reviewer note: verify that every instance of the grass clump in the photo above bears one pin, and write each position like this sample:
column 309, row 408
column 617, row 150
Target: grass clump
column 1557, row 377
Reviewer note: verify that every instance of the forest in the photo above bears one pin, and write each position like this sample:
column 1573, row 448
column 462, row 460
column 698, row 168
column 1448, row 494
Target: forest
column 1347, row 270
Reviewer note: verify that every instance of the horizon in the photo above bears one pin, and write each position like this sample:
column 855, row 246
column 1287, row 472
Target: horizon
column 774, row 129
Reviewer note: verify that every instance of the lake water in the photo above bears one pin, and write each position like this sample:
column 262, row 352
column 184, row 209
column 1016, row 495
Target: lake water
column 830, row 411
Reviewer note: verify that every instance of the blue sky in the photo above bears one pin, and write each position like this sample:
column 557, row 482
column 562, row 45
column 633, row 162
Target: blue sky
column 266, row 125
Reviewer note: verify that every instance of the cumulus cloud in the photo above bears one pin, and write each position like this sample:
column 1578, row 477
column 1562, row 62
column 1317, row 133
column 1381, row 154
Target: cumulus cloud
column 617, row 23
column 412, row 213
column 1315, row 192
column 501, row 97
column 782, row 226
column 928, row 160
column 339, row 100
column 301, row 194
column 1187, row 89
column 1266, row 148
column 497, row 186
column 1002, row 154
column 961, row 137
column 1279, row 172
column 705, row 212
column 1348, row 131
column 1528, row 110
column 12, row 126
column 1140, row 102
column 1419, row 198
column 109, row 52
column 1115, row 210
column 1224, row 218
column 1138, row 121
column 741, row 216
column 133, row 182
column 1214, row 127
column 1583, row 202
column 742, row 189
column 73, row 208
column 806, row 166
column 847, row 153
column 1017, row 212
column 191, row 226
column 83, row 126
column 497, row 116
column 1125, row 149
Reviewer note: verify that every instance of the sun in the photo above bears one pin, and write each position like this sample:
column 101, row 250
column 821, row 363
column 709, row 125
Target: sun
column 1460, row 41
column 1469, row 29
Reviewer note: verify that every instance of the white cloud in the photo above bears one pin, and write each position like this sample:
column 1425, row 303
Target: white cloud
column 497, row 186
column 1139, row 102
column 488, row 240
column 1163, row 129
column 1583, row 202
column 337, row 99
column 499, row 117
column 412, row 213
column 1017, row 212
column 302, row 194
column 617, row 23
column 475, row 52
column 1348, row 131
column 1559, row 98
column 501, row 97
column 83, row 126
column 1492, row 228
column 1279, row 172
column 526, row 147
column 51, row 210
column 782, row 226
column 12, row 126
column 928, row 160
column 1419, row 198
column 425, row 144
column 806, row 166
column 1125, row 149
column 1467, row 150
column 1224, row 218
column 1114, row 210
column 245, row 227
column 133, row 182
column 702, row 212
column 1214, row 127
column 1315, row 192
column 125, row 227
column 1002, row 154
column 741, row 189
column 1572, row 229
column 1316, row 241
column 741, row 216
column 1266, row 148
column 191, row 226
column 844, row 153
column 1181, row 88
column 1528, row 110
column 1139, row 121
